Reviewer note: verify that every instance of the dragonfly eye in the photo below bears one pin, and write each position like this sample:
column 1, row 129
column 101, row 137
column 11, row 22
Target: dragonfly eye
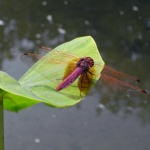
column 90, row 61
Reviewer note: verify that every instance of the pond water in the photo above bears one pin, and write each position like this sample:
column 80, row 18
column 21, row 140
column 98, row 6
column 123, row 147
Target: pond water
column 121, row 30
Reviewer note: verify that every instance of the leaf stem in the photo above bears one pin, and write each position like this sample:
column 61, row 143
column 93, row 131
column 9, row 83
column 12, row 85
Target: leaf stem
column 1, row 124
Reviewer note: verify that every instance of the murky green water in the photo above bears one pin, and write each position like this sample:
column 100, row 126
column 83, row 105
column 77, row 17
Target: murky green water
column 121, row 30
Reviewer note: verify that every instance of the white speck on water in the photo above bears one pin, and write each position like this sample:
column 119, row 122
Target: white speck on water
column 129, row 108
column 66, row 2
column 37, row 140
column 62, row 31
column 129, row 28
column 38, row 35
column 44, row 3
column 53, row 115
column 140, row 36
column 101, row 106
column 50, row 18
column 86, row 22
column 26, row 43
column 121, row 12
column 134, row 56
column 135, row 8
column 1, row 22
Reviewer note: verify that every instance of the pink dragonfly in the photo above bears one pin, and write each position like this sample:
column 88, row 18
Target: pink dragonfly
column 81, row 70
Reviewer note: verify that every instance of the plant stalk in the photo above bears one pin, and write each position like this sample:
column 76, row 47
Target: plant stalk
column 1, row 124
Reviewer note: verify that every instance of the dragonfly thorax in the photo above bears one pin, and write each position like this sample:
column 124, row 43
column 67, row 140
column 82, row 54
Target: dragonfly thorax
column 85, row 63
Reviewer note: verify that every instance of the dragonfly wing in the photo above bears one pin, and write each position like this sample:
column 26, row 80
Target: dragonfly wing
column 30, row 59
column 119, row 82
column 52, row 67
column 58, row 57
column 116, row 88
column 120, row 76
column 42, row 51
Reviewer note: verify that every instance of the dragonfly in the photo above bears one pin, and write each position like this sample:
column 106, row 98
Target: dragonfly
column 80, row 70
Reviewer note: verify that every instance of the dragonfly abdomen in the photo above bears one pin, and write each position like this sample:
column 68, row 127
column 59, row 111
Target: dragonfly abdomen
column 70, row 79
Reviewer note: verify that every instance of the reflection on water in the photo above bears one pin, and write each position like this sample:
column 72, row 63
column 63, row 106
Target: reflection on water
column 121, row 31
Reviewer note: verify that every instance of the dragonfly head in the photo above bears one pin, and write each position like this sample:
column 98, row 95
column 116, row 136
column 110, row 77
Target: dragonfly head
column 85, row 63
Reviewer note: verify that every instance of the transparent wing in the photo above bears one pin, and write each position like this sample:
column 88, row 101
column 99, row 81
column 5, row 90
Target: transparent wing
column 42, row 51
column 119, row 75
column 118, row 84
column 121, row 82
column 58, row 57
column 30, row 59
